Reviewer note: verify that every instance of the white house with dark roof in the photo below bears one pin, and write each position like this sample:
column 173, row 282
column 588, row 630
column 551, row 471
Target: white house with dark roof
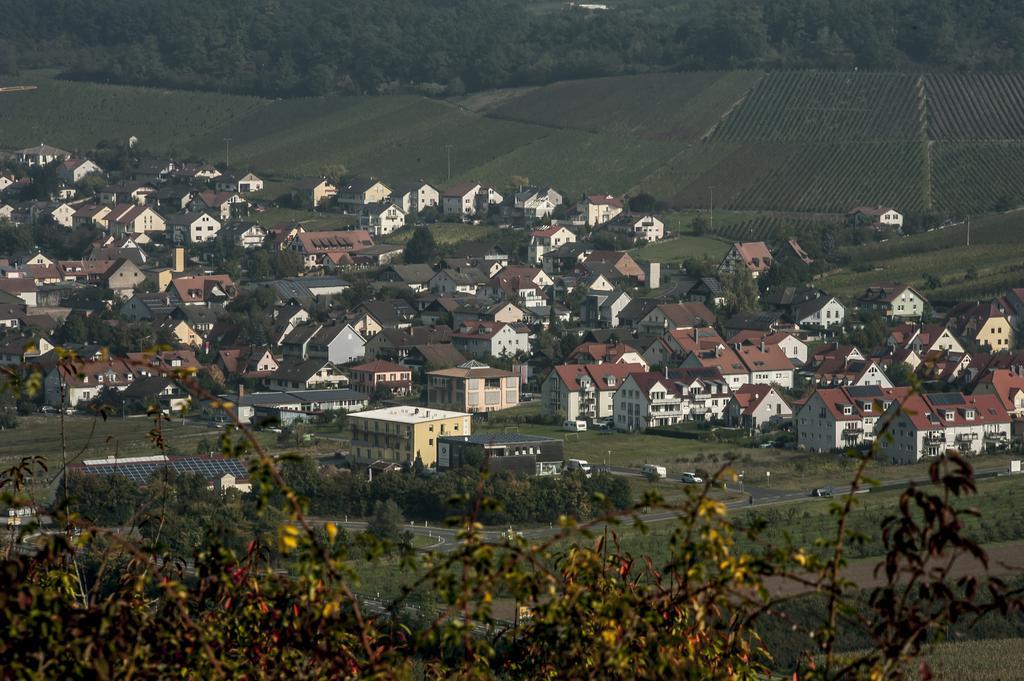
column 381, row 219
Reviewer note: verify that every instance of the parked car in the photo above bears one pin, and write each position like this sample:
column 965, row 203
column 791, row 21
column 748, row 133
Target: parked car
column 821, row 492
column 575, row 426
column 691, row 478
column 46, row 410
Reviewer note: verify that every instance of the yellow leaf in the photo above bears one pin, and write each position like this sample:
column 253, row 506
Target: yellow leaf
column 332, row 531
column 330, row 608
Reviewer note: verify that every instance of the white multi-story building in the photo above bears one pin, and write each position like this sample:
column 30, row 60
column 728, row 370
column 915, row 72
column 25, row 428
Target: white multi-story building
column 837, row 418
column 582, row 391
column 647, row 400
column 930, row 425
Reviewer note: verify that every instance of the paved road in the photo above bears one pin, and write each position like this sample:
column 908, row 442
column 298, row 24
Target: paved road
column 445, row 539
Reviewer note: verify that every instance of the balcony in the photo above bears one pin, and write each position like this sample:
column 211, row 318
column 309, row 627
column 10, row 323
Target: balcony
column 966, row 437
column 935, row 438
column 996, row 436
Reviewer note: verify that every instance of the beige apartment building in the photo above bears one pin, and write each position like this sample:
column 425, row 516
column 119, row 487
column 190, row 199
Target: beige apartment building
column 472, row 387
column 403, row 434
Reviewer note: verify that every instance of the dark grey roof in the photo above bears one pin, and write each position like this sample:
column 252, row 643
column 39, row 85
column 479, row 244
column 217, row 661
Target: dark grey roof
column 413, row 274
column 270, row 399
column 358, row 185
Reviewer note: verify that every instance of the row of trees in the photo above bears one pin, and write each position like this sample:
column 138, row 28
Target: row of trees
column 314, row 47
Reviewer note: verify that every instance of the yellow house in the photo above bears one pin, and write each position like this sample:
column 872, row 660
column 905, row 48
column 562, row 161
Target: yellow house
column 181, row 332
column 988, row 324
column 403, row 434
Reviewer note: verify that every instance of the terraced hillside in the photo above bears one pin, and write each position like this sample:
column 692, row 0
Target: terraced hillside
column 786, row 141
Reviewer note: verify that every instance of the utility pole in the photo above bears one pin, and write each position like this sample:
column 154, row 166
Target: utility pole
column 448, row 148
column 227, row 152
column 711, row 222
column 968, row 230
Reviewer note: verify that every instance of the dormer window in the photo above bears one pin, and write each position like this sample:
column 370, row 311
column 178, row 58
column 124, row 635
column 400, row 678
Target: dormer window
column 610, row 380
column 847, row 409
column 969, row 414
column 949, row 415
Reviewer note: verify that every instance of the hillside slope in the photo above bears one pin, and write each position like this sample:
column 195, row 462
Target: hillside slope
column 787, row 141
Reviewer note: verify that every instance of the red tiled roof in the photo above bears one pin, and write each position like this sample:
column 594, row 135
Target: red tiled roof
column 379, row 367
column 570, row 374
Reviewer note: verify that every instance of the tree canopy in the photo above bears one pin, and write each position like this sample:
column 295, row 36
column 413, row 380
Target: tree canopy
column 315, row 47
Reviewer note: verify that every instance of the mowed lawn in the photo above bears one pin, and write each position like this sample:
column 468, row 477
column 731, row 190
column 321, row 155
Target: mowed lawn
column 683, row 247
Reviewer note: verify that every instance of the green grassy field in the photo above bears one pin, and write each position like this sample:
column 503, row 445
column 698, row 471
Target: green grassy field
column 985, row 268
column 684, row 246
column 447, row 233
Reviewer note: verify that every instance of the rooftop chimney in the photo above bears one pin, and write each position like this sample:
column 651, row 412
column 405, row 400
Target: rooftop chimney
column 762, row 345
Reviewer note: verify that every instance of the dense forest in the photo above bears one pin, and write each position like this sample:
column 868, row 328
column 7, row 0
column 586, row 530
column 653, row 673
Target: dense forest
column 313, row 47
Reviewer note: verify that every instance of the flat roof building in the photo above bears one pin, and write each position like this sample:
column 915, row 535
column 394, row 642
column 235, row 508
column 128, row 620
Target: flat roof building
column 513, row 452
column 404, row 434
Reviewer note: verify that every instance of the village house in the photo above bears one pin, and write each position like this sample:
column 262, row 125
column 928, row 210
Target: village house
column 313, row 245
column 450, row 282
column 893, row 301
column 673, row 316
column 41, row 155
column 306, row 375
column 361, row 192
column 986, row 324
column 245, row 234
column 381, row 219
column 74, row 170
column 90, row 215
column 874, row 216
column 86, row 381
column 317, row 191
column 472, row 387
column 601, row 353
column 250, row 362
column 338, row 343
column 927, row 425
column 597, row 209
column 222, row 204
column 491, row 339
column 460, row 199
column 210, row 289
column 131, row 192
column 646, row 228
column 247, row 183
column 753, row 256
column 193, row 228
column 647, row 400
column 758, row 407
column 180, row 331
column 545, row 240
column 133, row 219
column 923, row 339
column 535, row 204
column 602, row 309
column 376, row 375
column 840, row 418
column 415, row 197
column 584, row 391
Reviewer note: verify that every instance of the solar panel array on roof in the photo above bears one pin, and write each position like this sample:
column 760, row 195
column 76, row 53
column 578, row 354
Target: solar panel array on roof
column 210, row 469
column 946, row 399
column 864, row 391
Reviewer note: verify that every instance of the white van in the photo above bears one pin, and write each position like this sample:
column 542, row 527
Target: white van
column 575, row 426
column 651, row 469
column 578, row 465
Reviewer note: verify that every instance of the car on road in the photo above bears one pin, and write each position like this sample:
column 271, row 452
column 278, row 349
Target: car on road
column 579, row 465
column 767, row 445
column 691, row 478
column 821, row 492
column 46, row 410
